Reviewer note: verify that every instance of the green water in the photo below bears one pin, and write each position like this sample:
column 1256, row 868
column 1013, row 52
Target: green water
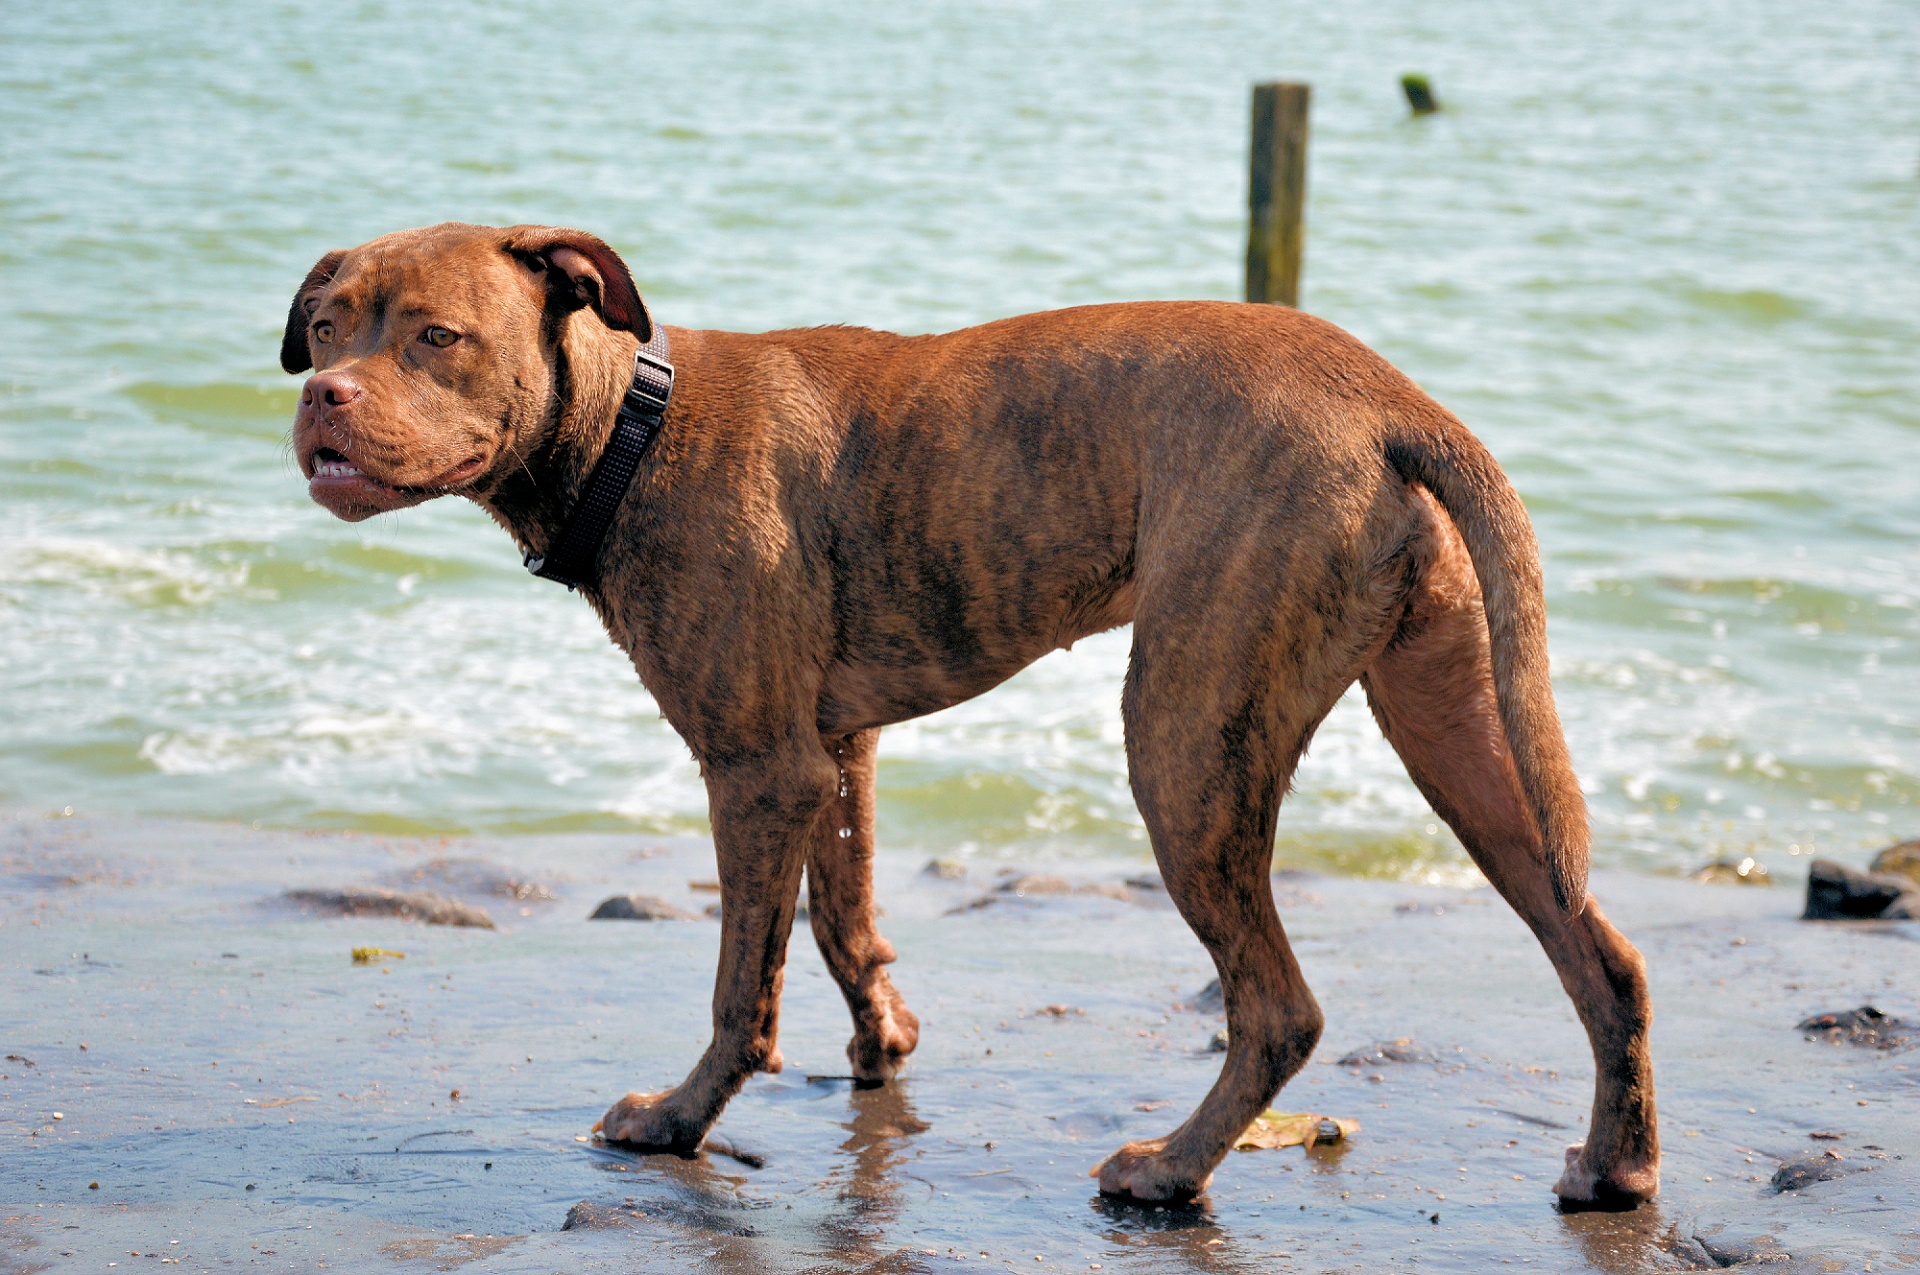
column 1663, row 257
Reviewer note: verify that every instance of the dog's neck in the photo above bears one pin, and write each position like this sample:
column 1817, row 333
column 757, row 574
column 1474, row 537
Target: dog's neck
column 593, row 367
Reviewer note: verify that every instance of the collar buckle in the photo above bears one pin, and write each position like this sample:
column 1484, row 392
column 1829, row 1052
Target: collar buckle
column 651, row 388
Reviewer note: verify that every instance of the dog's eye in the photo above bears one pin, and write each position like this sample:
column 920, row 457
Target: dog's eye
column 439, row 336
column 323, row 332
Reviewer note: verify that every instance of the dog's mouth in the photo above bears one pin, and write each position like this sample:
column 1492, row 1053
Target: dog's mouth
column 349, row 492
column 329, row 464
column 332, row 467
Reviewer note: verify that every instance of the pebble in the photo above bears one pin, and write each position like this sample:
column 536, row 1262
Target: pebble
column 639, row 907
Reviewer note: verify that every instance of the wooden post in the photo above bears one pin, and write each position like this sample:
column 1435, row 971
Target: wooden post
column 1277, row 193
column 1420, row 99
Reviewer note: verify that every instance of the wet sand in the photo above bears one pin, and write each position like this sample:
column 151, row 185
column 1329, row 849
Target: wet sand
column 246, row 1096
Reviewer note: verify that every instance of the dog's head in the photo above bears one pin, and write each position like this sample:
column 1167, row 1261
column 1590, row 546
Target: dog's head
column 435, row 356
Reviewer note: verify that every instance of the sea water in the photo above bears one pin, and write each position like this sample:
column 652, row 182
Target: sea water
column 1661, row 257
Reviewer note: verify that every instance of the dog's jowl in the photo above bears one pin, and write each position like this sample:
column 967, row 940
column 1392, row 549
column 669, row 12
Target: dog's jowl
column 832, row 529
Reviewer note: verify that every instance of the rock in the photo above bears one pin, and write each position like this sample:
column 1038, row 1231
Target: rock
column 476, row 876
column 1902, row 860
column 1218, row 1045
column 1727, row 872
column 1149, row 882
column 1867, row 1027
column 417, row 905
column 1401, row 1050
column 1209, row 999
column 1034, row 883
column 945, row 870
column 639, row 907
column 1762, row 1250
column 979, row 904
column 1836, row 892
column 1803, row 1171
column 588, row 1216
column 1687, row 1252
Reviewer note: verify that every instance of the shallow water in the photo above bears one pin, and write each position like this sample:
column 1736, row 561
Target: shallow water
column 1660, row 256
column 246, row 1097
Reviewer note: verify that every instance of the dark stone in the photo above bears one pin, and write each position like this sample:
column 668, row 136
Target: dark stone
column 1836, row 892
column 1690, row 1255
column 639, row 907
column 588, row 1216
column 1218, row 1045
column 1208, row 1000
column 1761, row 1250
column 1803, row 1171
column 416, row 905
column 1402, row 1050
column 945, row 870
column 1867, row 1027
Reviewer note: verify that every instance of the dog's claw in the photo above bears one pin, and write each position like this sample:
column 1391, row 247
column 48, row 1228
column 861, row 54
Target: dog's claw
column 1143, row 1171
column 880, row 1046
column 648, row 1122
column 1582, row 1189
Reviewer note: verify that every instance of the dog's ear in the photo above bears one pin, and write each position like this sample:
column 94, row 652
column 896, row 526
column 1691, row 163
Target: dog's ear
column 294, row 355
column 583, row 271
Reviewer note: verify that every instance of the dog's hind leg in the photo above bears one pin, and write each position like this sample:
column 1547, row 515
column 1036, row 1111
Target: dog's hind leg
column 1432, row 692
column 840, row 909
column 1222, row 696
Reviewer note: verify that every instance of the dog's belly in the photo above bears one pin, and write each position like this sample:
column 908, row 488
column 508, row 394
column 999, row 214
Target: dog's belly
column 906, row 673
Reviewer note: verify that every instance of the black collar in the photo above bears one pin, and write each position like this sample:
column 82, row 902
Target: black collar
column 573, row 558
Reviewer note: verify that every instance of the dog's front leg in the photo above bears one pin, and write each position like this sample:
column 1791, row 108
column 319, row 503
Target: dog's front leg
column 763, row 818
column 840, row 909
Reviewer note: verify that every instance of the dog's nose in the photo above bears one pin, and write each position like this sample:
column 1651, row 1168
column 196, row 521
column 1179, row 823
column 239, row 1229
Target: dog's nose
column 330, row 389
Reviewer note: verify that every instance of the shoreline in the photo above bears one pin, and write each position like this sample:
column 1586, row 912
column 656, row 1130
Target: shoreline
column 327, row 1086
column 1317, row 851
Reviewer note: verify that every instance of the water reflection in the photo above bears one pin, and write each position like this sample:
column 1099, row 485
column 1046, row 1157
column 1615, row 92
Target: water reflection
column 1171, row 1237
column 1627, row 1243
column 741, row 1222
column 870, row 1180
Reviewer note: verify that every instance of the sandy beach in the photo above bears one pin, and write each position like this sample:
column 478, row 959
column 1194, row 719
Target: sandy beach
column 233, row 1091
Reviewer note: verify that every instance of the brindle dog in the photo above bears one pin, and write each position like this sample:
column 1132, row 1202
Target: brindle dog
column 840, row 528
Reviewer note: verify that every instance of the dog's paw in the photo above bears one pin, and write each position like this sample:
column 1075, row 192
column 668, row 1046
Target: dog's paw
column 879, row 1049
column 1144, row 1171
column 1583, row 1188
column 649, row 1122
column 775, row 1062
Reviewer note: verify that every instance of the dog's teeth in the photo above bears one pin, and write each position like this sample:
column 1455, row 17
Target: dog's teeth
column 335, row 469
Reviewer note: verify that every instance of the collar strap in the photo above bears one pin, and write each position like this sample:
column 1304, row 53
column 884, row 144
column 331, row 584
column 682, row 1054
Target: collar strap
column 573, row 557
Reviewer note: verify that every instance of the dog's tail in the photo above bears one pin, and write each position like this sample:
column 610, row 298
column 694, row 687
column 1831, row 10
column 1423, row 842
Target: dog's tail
column 1440, row 454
